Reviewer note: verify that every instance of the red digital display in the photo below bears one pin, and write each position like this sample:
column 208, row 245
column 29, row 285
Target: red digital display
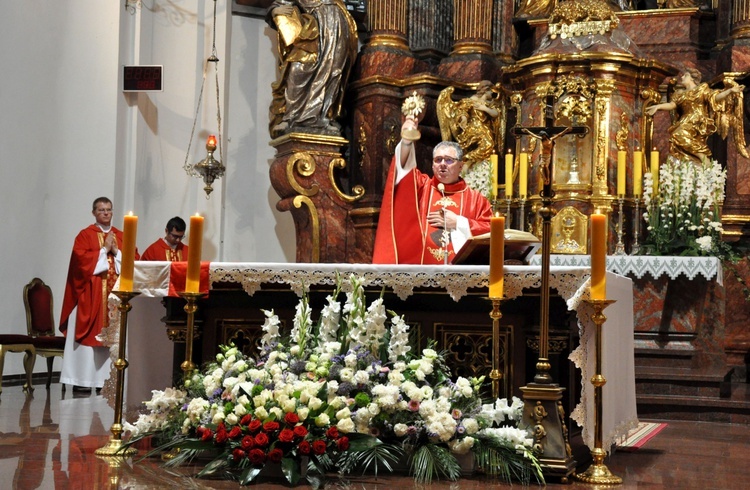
column 142, row 78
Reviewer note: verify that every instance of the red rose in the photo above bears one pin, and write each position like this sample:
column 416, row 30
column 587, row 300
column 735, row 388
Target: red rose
column 319, row 447
column 261, row 440
column 332, row 432
column 238, row 454
column 246, row 419
column 221, row 437
column 300, row 431
column 343, row 443
column 286, row 435
column 235, row 433
column 304, row 448
column 247, row 442
column 256, row 456
column 275, row 455
column 254, row 426
column 271, row 426
column 207, row 434
column 291, row 418
column 221, row 427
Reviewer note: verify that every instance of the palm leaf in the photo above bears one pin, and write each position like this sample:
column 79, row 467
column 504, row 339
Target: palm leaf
column 431, row 461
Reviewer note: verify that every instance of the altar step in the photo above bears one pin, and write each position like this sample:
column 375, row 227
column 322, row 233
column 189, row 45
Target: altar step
column 691, row 394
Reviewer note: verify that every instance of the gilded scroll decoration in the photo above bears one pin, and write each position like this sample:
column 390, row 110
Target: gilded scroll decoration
column 315, row 221
column 303, row 164
column 358, row 190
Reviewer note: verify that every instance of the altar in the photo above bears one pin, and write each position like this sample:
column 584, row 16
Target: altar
column 428, row 296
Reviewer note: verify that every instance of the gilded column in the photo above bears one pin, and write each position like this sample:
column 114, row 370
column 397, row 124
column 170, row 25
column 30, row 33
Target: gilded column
column 472, row 27
column 604, row 89
column 387, row 22
column 740, row 19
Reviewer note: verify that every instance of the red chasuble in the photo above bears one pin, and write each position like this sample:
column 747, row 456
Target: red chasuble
column 160, row 250
column 85, row 290
column 404, row 236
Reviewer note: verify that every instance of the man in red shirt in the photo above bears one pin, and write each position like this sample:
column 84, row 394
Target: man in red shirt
column 423, row 219
column 170, row 248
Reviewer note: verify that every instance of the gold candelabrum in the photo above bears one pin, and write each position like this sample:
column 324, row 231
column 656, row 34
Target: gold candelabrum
column 636, row 247
column 114, row 446
column 191, row 306
column 496, row 374
column 598, row 473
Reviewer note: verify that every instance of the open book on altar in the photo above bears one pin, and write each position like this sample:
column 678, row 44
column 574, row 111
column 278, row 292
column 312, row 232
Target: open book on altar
column 520, row 247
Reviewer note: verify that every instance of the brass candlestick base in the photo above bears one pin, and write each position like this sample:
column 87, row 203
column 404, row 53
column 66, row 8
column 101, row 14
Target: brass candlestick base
column 504, row 365
column 114, row 446
column 190, row 308
column 598, row 473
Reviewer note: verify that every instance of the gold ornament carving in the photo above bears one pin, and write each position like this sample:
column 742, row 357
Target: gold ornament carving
column 315, row 224
column 358, row 190
column 304, row 165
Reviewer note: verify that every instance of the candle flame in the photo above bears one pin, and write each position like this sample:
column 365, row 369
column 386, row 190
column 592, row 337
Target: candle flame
column 211, row 140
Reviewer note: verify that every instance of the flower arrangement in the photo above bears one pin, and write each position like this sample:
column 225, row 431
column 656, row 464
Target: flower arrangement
column 346, row 392
column 684, row 216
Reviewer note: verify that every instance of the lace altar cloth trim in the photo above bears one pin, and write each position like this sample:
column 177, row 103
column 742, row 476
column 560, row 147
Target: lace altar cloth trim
column 640, row 265
column 403, row 280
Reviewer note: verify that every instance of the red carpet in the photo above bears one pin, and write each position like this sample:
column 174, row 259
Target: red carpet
column 639, row 436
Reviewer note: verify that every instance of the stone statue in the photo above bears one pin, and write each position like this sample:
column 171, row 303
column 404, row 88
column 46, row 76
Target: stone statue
column 701, row 112
column 317, row 47
column 476, row 123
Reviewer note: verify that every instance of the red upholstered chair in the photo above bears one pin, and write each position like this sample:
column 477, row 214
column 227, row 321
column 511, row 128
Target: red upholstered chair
column 18, row 343
column 40, row 323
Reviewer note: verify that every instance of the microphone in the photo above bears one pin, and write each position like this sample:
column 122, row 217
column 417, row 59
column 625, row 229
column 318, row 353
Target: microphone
column 441, row 188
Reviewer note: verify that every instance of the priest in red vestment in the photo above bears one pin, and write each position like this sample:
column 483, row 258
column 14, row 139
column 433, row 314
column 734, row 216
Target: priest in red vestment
column 92, row 273
column 423, row 219
column 170, row 248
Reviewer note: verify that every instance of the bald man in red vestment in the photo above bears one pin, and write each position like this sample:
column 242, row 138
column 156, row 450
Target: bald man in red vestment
column 170, row 248
column 423, row 219
column 92, row 273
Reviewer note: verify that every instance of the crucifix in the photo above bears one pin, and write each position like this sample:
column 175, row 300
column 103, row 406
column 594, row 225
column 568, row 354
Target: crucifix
column 547, row 135
column 542, row 399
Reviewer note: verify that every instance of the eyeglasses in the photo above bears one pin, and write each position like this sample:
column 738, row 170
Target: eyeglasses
column 447, row 160
column 176, row 237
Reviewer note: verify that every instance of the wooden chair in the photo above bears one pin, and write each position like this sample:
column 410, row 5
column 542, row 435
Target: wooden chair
column 18, row 343
column 40, row 323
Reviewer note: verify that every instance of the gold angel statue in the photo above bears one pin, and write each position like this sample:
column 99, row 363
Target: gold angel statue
column 476, row 123
column 701, row 112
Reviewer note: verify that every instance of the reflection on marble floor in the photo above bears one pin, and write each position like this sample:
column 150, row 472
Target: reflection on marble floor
column 47, row 441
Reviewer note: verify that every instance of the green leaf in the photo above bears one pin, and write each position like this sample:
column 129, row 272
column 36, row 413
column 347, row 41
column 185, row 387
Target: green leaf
column 290, row 468
column 249, row 475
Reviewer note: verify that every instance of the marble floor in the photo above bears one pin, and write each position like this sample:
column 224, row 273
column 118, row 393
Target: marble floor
column 47, row 441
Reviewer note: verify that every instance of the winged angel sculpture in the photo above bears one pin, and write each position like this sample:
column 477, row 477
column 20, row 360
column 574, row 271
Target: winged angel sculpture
column 476, row 123
column 701, row 112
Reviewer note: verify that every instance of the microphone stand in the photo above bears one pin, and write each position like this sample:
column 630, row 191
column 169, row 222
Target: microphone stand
column 446, row 235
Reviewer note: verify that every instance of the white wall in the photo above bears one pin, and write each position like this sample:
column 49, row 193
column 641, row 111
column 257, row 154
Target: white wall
column 70, row 135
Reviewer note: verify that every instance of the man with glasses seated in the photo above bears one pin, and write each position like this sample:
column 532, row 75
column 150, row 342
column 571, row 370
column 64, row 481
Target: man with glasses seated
column 423, row 219
column 170, row 248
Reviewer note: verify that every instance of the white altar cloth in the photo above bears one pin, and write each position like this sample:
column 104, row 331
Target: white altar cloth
column 148, row 371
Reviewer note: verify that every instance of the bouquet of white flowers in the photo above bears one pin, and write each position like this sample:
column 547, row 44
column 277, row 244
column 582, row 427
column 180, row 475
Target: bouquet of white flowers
column 683, row 214
column 345, row 392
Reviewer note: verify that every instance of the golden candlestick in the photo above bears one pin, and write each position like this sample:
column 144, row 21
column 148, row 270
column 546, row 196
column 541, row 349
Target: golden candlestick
column 114, row 446
column 598, row 473
column 496, row 374
column 190, row 308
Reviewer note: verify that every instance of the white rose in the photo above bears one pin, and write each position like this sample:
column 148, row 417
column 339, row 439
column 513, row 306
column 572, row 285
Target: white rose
column 231, row 419
column 400, row 429
column 322, row 420
column 345, row 425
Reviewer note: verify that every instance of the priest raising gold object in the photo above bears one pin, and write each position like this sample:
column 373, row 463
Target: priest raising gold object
column 423, row 219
